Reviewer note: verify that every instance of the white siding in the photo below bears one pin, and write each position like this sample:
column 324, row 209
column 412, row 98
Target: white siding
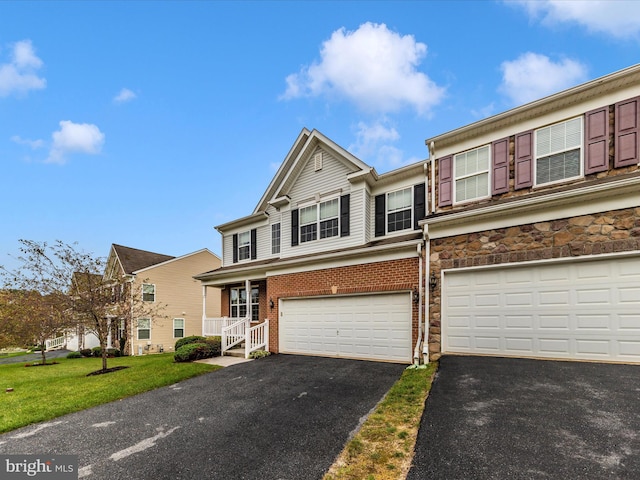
column 332, row 177
column 227, row 250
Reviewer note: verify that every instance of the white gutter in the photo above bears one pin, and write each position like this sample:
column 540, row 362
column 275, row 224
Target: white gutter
column 416, row 351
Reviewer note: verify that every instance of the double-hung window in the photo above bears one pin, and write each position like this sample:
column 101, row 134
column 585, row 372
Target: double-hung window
column 399, row 210
column 309, row 223
column 148, row 292
column 144, row 329
column 329, row 212
column 238, row 303
column 558, row 152
column 322, row 217
column 471, row 170
column 244, row 245
column 275, row 238
column 178, row 327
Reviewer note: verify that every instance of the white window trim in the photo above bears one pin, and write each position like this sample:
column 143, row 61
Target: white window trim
column 154, row 292
column 317, row 222
column 489, row 177
column 243, row 245
column 249, row 303
column 138, row 329
column 183, row 327
column 535, row 155
column 387, row 212
column 279, row 224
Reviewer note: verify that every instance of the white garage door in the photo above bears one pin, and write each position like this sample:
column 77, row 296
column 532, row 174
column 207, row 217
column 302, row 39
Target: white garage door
column 371, row 327
column 587, row 310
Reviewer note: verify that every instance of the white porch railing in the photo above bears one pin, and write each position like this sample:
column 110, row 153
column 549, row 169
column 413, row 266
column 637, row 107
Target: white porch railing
column 254, row 338
column 257, row 338
column 55, row 342
column 234, row 334
column 212, row 327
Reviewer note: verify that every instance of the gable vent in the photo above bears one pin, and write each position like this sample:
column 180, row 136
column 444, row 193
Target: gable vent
column 317, row 161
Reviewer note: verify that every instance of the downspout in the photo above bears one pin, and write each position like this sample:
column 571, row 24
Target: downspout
column 416, row 351
column 427, row 246
column 432, row 160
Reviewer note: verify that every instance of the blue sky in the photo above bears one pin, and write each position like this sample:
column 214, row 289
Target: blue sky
column 148, row 123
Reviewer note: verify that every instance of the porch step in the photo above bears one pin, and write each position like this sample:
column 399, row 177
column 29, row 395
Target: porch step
column 235, row 352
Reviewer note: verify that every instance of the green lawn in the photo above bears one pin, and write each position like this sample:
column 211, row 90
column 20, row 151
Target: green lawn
column 383, row 447
column 45, row 392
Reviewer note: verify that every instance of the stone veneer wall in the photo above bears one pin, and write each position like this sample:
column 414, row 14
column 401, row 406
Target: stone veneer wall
column 390, row 276
column 608, row 232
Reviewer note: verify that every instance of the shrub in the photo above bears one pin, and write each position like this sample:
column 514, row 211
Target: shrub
column 96, row 351
column 74, row 355
column 86, row 352
column 113, row 352
column 259, row 354
column 188, row 340
column 194, row 351
column 216, row 343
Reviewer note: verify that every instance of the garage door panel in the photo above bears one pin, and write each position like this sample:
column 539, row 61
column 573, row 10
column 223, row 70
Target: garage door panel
column 376, row 327
column 584, row 310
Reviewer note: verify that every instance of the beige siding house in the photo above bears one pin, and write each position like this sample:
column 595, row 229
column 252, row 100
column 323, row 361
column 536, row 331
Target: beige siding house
column 168, row 283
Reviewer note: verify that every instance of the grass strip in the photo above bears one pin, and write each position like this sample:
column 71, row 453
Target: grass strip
column 383, row 448
column 45, row 392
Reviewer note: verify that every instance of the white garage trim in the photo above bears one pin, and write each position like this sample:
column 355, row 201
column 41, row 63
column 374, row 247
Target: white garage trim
column 582, row 308
column 368, row 327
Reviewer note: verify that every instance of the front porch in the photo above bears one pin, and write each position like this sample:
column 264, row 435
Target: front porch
column 234, row 332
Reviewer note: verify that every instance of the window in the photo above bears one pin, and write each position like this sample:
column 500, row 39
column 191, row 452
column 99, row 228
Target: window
column 558, row 152
column 244, row 245
column 399, row 210
column 148, row 292
column 144, row 328
column 238, row 303
column 329, row 212
column 471, row 170
column 308, row 223
column 178, row 327
column 275, row 238
column 325, row 215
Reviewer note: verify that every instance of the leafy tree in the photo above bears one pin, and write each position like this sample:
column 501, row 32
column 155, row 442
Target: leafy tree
column 72, row 290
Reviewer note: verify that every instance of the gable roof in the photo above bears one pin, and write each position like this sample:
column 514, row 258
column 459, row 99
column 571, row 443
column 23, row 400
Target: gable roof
column 133, row 259
column 303, row 147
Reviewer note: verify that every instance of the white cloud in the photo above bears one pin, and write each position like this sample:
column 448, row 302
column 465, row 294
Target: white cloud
column 619, row 18
column 125, row 95
column 374, row 145
column 34, row 144
column 75, row 138
column 19, row 76
column 373, row 67
column 532, row 76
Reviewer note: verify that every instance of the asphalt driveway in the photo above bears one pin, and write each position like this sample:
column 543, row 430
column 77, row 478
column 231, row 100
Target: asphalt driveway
column 496, row 418
column 280, row 417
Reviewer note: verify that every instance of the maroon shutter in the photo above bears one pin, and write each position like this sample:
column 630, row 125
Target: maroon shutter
column 524, row 160
column 445, row 181
column 596, row 140
column 500, row 166
column 626, row 132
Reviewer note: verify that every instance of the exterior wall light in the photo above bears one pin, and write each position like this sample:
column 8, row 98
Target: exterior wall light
column 271, row 303
column 433, row 281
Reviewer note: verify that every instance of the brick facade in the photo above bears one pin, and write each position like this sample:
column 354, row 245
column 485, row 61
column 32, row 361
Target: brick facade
column 390, row 276
column 607, row 232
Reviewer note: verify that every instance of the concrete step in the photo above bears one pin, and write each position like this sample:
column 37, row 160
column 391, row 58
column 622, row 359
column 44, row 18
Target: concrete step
column 235, row 352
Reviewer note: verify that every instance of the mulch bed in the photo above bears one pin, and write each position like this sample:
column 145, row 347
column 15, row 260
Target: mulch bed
column 108, row 370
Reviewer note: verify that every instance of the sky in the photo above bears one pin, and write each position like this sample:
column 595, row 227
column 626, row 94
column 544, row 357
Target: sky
column 148, row 123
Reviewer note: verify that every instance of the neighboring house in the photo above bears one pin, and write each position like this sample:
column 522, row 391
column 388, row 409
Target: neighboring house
column 168, row 283
column 534, row 228
column 330, row 256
